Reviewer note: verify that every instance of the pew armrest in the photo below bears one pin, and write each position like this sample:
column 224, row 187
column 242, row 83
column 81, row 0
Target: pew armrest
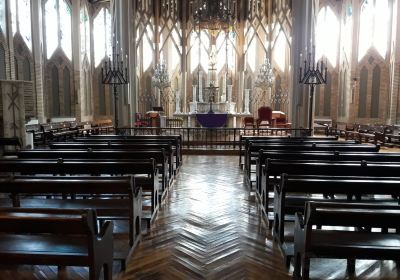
column 106, row 231
column 299, row 221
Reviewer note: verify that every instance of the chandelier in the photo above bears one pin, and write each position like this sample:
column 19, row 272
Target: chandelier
column 265, row 78
column 213, row 15
column 161, row 79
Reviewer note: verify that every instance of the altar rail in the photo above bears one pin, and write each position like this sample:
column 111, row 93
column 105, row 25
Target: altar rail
column 199, row 138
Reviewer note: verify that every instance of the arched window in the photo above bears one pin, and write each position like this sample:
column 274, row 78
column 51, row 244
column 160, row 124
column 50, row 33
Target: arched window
column 280, row 51
column 58, row 27
column 21, row 20
column 374, row 24
column 102, row 35
column 251, row 52
column 199, row 52
column 327, row 35
column 85, row 33
column 225, row 51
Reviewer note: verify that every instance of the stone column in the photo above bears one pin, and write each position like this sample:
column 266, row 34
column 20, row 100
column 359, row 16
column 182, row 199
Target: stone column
column 303, row 38
column 37, row 50
column 133, row 82
column 353, row 96
column 184, row 71
column 240, row 60
column 76, row 59
column 120, row 16
column 395, row 69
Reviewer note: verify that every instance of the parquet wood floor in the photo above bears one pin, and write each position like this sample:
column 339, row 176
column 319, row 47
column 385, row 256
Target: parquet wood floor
column 209, row 227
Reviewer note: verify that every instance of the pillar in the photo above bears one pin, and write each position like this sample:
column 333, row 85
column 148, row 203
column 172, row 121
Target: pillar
column 37, row 52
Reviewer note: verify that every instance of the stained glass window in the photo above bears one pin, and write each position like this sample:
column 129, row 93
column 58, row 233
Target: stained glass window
column 58, row 27
column 102, row 35
column 327, row 41
column 21, row 20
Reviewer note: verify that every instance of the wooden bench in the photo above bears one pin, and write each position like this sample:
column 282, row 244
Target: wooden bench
column 253, row 146
column 274, row 168
column 5, row 144
column 160, row 157
column 145, row 173
column 175, row 140
column 294, row 190
column 253, row 151
column 313, row 242
column 113, row 198
column 118, row 146
column 245, row 140
column 97, row 139
column 56, row 237
column 319, row 155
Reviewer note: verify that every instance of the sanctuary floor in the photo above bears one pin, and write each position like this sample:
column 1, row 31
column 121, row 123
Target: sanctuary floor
column 209, row 227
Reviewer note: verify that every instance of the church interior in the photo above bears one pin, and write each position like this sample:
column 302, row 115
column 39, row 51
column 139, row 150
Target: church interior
column 199, row 139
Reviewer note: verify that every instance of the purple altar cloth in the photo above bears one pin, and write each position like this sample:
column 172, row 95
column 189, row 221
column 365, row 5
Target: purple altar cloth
column 212, row 120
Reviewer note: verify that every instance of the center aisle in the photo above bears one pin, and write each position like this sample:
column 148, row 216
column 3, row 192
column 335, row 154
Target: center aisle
column 209, row 227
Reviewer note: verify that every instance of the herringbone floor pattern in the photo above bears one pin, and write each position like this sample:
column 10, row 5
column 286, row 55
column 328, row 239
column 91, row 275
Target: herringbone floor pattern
column 209, row 228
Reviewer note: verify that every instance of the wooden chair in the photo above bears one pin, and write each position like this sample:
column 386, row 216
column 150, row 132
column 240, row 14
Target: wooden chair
column 248, row 122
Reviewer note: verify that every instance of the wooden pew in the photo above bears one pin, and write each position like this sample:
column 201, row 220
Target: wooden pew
column 160, row 157
column 56, row 237
column 146, row 169
column 117, row 146
column 113, row 198
column 345, row 244
column 7, row 142
column 253, row 148
column 319, row 155
column 275, row 168
column 245, row 140
column 176, row 141
column 294, row 190
column 253, row 151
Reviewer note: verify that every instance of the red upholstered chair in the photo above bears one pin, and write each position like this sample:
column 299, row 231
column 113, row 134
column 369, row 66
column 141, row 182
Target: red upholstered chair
column 138, row 122
column 264, row 117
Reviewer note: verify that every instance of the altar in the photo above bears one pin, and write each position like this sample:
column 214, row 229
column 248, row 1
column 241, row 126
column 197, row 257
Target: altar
column 212, row 120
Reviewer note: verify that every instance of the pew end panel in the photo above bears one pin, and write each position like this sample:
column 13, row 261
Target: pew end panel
column 312, row 240
column 56, row 237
